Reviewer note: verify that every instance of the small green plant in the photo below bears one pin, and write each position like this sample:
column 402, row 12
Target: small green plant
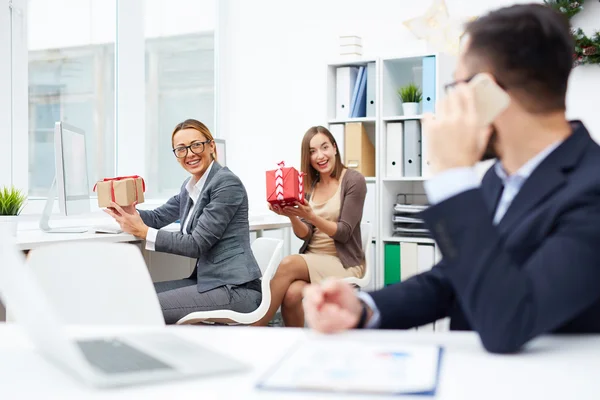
column 410, row 93
column 12, row 201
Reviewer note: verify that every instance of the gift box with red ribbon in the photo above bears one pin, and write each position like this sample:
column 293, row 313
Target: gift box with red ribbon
column 285, row 186
column 123, row 190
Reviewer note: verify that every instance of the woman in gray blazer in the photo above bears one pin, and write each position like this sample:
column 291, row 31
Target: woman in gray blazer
column 213, row 209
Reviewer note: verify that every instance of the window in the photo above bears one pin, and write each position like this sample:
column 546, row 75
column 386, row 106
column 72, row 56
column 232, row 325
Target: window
column 5, row 93
column 71, row 78
column 82, row 61
column 179, row 82
column 76, row 86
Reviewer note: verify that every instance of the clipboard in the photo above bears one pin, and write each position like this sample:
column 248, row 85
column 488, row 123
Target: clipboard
column 354, row 365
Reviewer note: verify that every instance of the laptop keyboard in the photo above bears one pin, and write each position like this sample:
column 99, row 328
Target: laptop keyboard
column 115, row 357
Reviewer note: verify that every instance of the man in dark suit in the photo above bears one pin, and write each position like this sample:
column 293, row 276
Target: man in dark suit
column 520, row 250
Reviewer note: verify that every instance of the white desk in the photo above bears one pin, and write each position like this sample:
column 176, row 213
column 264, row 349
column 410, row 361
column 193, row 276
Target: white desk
column 30, row 237
column 553, row 368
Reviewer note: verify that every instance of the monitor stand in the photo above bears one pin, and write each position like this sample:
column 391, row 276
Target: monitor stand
column 45, row 226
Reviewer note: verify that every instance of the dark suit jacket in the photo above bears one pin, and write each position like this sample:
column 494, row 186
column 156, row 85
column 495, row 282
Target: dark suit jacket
column 537, row 271
column 219, row 230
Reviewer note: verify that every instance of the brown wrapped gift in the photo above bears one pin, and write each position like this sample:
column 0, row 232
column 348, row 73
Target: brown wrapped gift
column 123, row 190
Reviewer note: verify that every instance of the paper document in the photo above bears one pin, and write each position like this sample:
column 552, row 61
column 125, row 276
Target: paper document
column 355, row 366
column 409, row 208
column 410, row 220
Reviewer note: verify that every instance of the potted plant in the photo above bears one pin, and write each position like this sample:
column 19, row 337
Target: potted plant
column 411, row 96
column 12, row 202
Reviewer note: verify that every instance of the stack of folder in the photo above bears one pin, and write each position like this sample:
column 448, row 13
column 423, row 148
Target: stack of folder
column 405, row 259
column 406, row 221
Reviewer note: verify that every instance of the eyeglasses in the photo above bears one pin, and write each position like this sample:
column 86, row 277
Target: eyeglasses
column 196, row 148
column 451, row 85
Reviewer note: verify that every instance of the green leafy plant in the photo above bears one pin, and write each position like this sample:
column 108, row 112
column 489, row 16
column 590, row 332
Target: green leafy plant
column 12, row 201
column 410, row 93
column 587, row 48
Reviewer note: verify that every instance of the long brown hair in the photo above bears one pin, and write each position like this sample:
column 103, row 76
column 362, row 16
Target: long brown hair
column 312, row 175
column 197, row 125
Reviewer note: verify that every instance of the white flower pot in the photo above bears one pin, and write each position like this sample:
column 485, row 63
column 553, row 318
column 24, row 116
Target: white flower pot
column 410, row 109
column 8, row 224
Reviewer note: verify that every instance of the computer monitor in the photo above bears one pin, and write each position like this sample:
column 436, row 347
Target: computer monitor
column 71, row 182
column 221, row 152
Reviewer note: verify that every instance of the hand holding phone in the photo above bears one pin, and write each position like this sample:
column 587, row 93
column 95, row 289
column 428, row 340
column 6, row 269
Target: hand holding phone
column 490, row 99
column 460, row 133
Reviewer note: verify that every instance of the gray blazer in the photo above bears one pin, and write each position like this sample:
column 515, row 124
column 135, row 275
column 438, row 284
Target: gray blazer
column 220, row 231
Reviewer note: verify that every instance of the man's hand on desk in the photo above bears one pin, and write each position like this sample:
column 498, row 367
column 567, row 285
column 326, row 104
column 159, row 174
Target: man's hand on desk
column 129, row 219
column 332, row 306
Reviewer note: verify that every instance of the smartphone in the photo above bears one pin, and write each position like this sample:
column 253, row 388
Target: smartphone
column 490, row 99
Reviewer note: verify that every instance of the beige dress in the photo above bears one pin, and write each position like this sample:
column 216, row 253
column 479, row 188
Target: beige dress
column 321, row 256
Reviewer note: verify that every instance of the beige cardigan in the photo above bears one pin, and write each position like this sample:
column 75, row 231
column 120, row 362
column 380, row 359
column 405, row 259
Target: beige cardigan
column 347, row 238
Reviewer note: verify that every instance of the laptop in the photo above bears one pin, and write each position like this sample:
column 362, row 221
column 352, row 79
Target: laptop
column 104, row 361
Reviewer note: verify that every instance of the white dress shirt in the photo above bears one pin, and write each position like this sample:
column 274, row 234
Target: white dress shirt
column 194, row 190
column 457, row 180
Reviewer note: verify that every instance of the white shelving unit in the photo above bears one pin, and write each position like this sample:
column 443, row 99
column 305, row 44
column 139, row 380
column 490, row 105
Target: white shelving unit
column 391, row 73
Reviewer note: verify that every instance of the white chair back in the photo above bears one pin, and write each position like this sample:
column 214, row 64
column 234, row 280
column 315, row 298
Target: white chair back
column 97, row 283
column 268, row 254
column 366, row 233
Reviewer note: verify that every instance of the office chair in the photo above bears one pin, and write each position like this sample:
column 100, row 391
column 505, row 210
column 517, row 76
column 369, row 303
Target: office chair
column 97, row 283
column 366, row 236
column 268, row 253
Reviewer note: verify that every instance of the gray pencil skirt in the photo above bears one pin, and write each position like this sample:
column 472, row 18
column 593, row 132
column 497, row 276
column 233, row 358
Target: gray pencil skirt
column 179, row 298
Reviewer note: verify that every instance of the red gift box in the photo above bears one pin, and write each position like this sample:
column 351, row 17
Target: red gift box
column 285, row 186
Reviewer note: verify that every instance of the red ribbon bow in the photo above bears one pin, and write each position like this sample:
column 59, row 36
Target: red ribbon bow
column 120, row 178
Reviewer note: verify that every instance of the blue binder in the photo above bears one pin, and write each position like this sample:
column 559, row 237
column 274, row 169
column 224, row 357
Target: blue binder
column 358, row 108
column 428, row 84
column 354, row 100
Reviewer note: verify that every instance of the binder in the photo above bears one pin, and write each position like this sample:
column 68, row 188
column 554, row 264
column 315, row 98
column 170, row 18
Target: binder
column 394, row 151
column 353, row 99
column 359, row 151
column 412, row 148
column 426, row 257
column 337, row 130
column 358, row 103
column 408, row 260
column 373, row 265
column 438, row 255
column 425, row 162
column 371, row 89
column 345, row 79
column 370, row 206
column 428, row 84
column 391, row 263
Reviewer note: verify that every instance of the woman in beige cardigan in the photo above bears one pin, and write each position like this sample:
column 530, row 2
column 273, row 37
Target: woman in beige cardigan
column 328, row 222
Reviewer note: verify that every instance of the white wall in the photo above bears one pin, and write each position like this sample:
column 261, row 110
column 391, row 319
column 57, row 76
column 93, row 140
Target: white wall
column 272, row 70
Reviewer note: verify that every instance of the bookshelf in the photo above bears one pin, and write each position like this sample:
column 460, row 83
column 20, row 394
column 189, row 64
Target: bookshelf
column 383, row 187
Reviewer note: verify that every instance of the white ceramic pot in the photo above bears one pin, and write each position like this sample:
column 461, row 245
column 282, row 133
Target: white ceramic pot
column 8, row 224
column 410, row 108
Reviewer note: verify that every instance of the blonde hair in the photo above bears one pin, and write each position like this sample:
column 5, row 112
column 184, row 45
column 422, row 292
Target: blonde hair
column 197, row 125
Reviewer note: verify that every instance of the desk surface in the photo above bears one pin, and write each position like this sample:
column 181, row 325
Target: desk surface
column 551, row 368
column 30, row 236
